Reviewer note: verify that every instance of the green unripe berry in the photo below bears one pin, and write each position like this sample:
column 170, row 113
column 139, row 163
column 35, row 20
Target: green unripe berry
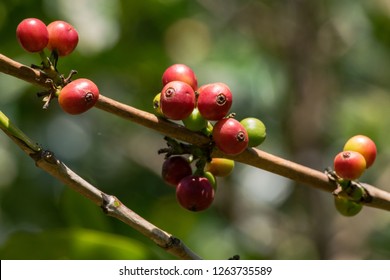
column 355, row 193
column 208, row 130
column 157, row 105
column 213, row 181
column 195, row 121
column 347, row 207
column 256, row 131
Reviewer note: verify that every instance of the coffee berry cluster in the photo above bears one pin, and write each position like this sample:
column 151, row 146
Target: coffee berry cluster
column 203, row 109
column 60, row 38
column 358, row 154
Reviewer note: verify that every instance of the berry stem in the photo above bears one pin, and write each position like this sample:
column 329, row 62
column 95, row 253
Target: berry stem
column 45, row 60
column 54, row 59
column 200, row 165
column 352, row 190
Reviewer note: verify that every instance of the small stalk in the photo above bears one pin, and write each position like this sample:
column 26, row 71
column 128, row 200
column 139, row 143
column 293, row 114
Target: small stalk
column 45, row 60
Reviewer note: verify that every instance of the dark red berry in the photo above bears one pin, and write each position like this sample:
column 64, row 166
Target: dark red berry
column 78, row 96
column 177, row 100
column 32, row 34
column 180, row 72
column 230, row 136
column 174, row 169
column 195, row 193
column 63, row 38
column 214, row 101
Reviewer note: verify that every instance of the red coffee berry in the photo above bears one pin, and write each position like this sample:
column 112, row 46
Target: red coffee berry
column 195, row 193
column 78, row 96
column 363, row 145
column 180, row 72
column 214, row 101
column 230, row 136
column 63, row 38
column 177, row 100
column 349, row 165
column 174, row 169
column 32, row 35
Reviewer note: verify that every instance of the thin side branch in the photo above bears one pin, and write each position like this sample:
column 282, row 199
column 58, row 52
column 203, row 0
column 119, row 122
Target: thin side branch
column 111, row 205
column 254, row 157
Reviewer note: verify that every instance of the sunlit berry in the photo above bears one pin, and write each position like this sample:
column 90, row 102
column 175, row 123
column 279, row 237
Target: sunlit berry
column 180, row 72
column 256, row 131
column 214, row 101
column 230, row 136
column 32, row 34
column 78, row 96
column 363, row 145
column 63, row 37
column 177, row 100
column 349, row 165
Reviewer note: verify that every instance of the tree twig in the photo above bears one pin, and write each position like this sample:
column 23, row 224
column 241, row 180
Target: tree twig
column 251, row 156
column 111, row 205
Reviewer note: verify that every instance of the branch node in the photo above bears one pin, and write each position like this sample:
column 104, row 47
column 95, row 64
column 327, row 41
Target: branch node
column 335, row 179
column 358, row 187
column 353, row 190
column 109, row 203
column 49, row 157
column 173, row 242
column 45, row 155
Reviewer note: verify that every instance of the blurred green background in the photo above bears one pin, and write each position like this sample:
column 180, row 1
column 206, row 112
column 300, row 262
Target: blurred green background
column 315, row 72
